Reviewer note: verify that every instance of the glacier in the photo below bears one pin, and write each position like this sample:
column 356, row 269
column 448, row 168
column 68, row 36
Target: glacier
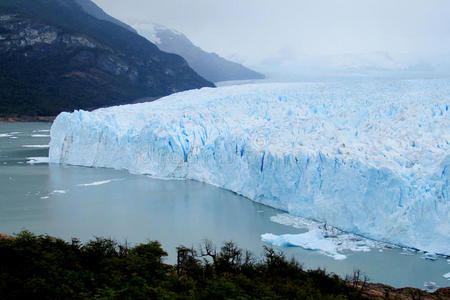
column 370, row 157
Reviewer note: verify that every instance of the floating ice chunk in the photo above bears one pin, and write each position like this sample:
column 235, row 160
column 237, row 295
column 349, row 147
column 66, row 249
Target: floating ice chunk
column 59, row 192
column 40, row 135
column 45, row 197
column 446, row 276
column 342, row 240
column 10, row 134
column 430, row 286
column 430, row 256
column 37, row 160
column 311, row 240
column 36, row 146
column 95, row 183
column 41, row 130
column 162, row 178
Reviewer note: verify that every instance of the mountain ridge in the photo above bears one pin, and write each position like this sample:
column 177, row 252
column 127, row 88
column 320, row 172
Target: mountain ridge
column 94, row 10
column 55, row 57
column 209, row 65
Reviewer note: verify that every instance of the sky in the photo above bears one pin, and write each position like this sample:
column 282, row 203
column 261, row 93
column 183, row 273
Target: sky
column 254, row 31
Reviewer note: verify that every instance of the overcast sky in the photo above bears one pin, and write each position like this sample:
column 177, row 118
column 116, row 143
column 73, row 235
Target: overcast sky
column 254, row 30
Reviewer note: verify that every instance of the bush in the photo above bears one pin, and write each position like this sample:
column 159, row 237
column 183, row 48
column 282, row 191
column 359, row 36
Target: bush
column 43, row 267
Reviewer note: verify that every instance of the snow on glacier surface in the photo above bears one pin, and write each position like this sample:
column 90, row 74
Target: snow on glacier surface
column 368, row 157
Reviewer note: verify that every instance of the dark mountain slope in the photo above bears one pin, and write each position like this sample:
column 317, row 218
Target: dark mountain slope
column 92, row 9
column 55, row 57
column 209, row 65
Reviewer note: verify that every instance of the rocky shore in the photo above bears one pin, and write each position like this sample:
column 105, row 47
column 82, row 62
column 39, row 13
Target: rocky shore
column 13, row 119
column 6, row 237
column 382, row 291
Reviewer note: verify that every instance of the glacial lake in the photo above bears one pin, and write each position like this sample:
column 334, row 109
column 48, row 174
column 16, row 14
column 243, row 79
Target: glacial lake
column 68, row 201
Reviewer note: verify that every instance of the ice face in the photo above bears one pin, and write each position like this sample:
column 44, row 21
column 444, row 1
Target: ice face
column 369, row 157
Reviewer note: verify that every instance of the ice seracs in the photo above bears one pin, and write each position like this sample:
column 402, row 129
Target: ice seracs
column 368, row 157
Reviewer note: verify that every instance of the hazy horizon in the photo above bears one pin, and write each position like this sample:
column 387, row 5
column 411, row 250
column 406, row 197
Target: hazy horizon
column 255, row 31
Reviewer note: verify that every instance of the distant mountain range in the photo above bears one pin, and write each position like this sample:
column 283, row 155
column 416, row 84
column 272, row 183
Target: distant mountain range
column 208, row 65
column 377, row 64
column 61, row 55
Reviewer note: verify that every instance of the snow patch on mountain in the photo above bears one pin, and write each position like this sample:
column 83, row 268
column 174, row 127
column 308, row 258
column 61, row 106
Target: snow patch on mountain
column 152, row 30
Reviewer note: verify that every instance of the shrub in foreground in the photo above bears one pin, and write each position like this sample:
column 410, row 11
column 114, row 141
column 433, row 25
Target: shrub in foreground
column 43, row 267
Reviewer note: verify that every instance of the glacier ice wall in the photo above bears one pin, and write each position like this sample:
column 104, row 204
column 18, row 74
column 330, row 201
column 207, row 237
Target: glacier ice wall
column 369, row 157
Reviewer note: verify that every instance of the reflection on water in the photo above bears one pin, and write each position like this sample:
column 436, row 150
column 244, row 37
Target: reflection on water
column 68, row 202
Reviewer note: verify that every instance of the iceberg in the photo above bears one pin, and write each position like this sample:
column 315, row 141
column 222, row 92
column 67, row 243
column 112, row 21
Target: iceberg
column 369, row 157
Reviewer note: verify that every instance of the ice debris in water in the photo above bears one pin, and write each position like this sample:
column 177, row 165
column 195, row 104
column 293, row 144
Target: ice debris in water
column 59, row 192
column 325, row 238
column 35, row 146
column 312, row 240
column 40, row 135
column 37, row 160
column 369, row 157
column 97, row 182
column 430, row 286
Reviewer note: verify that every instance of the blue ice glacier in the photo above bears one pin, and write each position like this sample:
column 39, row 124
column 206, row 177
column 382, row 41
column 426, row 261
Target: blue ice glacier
column 368, row 157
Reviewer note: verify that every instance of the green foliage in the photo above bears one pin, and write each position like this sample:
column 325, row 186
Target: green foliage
column 43, row 267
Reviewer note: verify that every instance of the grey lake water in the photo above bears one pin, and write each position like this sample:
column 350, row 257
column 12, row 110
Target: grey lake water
column 68, row 201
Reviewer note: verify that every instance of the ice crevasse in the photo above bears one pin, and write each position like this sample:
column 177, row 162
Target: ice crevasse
column 368, row 157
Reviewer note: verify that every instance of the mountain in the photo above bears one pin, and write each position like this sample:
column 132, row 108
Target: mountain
column 56, row 57
column 209, row 65
column 95, row 11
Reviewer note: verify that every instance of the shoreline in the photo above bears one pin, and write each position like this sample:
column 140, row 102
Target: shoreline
column 16, row 119
column 381, row 291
